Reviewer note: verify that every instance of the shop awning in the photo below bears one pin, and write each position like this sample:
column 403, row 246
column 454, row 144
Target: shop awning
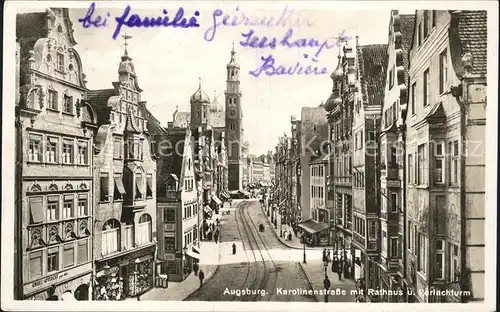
column 216, row 200
column 225, row 195
column 67, row 296
column 311, row 226
column 36, row 208
column 195, row 249
column 193, row 254
column 207, row 209
column 119, row 185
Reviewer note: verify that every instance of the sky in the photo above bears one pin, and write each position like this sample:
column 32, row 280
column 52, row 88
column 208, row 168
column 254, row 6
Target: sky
column 170, row 61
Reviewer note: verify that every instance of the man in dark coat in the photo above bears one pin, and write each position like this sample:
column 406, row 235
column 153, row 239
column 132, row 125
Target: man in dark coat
column 201, row 276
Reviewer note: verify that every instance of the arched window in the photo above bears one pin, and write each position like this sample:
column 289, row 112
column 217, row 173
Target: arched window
column 144, row 230
column 110, row 236
column 129, row 235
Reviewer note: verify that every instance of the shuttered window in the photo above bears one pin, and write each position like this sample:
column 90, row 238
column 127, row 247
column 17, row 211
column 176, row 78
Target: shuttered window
column 68, row 255
column 83, row 251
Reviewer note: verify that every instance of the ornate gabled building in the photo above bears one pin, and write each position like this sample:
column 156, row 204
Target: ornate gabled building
column 445, row 148
column 340, row 108
column 125, row 190
column 55, row 129
column 391, row 165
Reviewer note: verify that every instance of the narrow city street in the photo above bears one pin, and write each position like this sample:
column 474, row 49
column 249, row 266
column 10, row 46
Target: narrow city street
column 262, row 264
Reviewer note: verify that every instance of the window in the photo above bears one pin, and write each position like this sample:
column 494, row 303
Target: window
column 81, row 157
column 195, row 233
column 60, row 61
column 169, row 243
column 67, row 153
column 52, row 150
column 394, row 247
column 138, row 186
column 394, row 163
column 82, row 205
column 34, row 148
column 419, row 34
column 421, row 164
column 439, row 259
column 443, row 71
column 410, row 236
column 53, row 260
column 232, row 126
column 68, row 206
column 118, row 148
column 391, row 80
column 104, row 186
column 52, row 100
column 129, row 235
column 110, row 236
column 144, row 230
column 433, row 18
column 68, row 104
column 439, row 163
column 384, row 242
column 83, row 251
column 149, row 186
column 52, row 208
column 454, row 264
column 413, row 97
column 454, row 152
column 422, row 253
column 68, row 255
column 394, row 202
column 426, row 93
column 426, row 23
column 372, row 230
column 119, row 189
column 35, row 265
column 410, row 169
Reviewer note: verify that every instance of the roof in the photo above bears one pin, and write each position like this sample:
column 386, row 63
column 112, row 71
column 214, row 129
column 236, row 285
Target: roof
column 373, row 67
column 406, row 28
column 99, row 98
column 182, row 119
column 469, row 34
column 312, row 226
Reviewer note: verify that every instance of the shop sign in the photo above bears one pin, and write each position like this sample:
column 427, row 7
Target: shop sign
column 56, row 278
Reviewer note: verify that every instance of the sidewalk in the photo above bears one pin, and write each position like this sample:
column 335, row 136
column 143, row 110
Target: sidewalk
column 178, row 291
column 315, row 272
column 295, row 242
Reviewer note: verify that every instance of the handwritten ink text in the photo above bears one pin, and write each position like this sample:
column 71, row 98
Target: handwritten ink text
column 269, row 68
column 98, row 21
column 288, row 18
column 135, row 20
column 253, row 41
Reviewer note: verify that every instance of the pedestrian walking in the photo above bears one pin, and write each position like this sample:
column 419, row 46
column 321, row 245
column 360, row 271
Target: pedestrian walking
column 196, row 268
column 326, row 284
column 216, row 237
column 328, row 255
column 201, row 276
column 218, row 222
column 339, row 271
column 234, row 248
column 324, row 255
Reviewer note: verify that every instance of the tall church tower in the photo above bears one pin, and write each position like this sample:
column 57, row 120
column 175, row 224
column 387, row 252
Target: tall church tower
column 234, row 130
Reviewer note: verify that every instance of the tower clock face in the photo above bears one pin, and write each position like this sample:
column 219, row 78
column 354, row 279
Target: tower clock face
column 232, row 112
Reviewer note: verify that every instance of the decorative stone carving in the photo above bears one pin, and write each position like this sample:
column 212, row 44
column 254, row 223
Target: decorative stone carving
column 83, row 229
column 53, row 187
column 36, row 239
column 68, row 231
column 53, row 235
column 35, row 187
column 83, row 186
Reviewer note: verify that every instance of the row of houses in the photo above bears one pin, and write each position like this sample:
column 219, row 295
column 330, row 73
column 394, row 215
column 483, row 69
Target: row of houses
column 395, row 182
column 107, row 199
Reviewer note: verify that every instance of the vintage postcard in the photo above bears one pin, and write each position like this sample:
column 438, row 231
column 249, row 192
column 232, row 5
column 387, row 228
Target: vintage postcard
column 277, row 155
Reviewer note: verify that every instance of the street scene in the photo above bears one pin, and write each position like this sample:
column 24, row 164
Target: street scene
column 183, row 153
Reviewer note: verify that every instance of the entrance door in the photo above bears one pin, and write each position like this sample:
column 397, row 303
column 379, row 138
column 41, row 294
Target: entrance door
column 82, row 292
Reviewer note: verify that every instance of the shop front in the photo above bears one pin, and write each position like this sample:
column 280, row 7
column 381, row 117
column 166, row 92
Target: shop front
column 124, row 276
column 72, row 284
column 315, row 233
column 216, row 204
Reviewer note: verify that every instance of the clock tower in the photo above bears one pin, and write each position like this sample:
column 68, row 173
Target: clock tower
column 234, row 130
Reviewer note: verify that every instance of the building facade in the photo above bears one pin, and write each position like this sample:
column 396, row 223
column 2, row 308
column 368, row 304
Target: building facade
column 125, row 190
column 178, row 208
column 445, row 122
column 391, row 165
column 55, row 129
